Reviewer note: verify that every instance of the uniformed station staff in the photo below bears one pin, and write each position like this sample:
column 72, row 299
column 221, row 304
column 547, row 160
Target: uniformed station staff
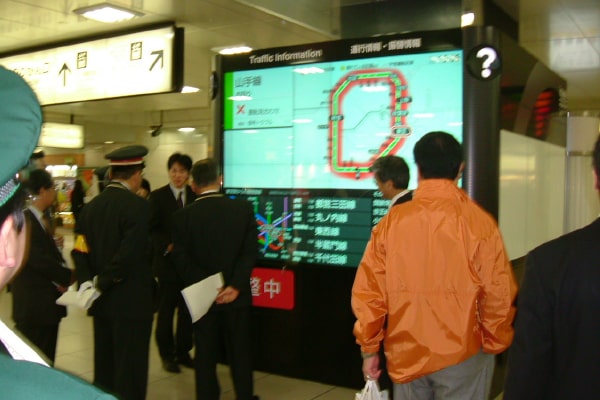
column 112, row 257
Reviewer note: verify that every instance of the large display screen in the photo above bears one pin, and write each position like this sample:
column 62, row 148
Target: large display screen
column 301, row 126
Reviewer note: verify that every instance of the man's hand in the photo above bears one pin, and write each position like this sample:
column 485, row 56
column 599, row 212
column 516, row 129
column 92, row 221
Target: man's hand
column 227, row 295
column 370, row 367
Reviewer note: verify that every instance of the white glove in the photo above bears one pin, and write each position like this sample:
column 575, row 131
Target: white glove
column 85, row 286
column 87, row 294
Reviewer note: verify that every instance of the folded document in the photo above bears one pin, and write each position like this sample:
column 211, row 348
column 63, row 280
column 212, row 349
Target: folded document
column 83, row 299
column 201, row 295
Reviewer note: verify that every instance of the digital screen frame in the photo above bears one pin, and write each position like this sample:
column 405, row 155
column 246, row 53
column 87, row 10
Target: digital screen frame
column 300, row 126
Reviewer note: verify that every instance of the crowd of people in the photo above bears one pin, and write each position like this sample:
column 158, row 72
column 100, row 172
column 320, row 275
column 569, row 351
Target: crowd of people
column 126, row 261
column 434, row 296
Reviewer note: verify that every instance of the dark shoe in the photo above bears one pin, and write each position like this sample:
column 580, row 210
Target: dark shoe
column 185, row 360
column 171, row 366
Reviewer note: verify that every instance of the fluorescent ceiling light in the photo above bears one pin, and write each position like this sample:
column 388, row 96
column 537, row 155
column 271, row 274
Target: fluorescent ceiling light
column 66, row 136
column 186, row 129
column 106, row 12
column 190, row 89
column 232, row 50
column 467, row 19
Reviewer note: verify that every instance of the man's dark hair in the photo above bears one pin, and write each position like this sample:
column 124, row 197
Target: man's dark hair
column 596, row 157
column 39, row 179
column 205, row 172
column 392, row 168
column 182, row 159
column 124, row 171
column 438, row 155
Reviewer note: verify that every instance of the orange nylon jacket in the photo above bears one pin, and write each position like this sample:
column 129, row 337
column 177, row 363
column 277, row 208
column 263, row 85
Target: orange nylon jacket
column 436, row 270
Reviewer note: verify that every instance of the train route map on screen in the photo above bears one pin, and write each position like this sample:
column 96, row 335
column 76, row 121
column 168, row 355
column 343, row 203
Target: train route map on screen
column 322, row 125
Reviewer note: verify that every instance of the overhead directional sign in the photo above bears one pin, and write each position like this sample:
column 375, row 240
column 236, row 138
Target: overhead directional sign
column 144, row 62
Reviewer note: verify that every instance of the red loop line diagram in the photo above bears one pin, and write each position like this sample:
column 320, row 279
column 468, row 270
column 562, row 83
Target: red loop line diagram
column 398, row 127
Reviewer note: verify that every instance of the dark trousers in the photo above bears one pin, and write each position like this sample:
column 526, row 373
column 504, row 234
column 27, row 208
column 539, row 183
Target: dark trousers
column 179, row 344
column 44, row 337
column 230, row 327
column 121, row 348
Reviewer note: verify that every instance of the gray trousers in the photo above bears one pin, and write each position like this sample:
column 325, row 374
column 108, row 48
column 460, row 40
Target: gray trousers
column 469, row 380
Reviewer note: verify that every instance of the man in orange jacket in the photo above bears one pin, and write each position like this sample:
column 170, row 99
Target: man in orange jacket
column 436, row 286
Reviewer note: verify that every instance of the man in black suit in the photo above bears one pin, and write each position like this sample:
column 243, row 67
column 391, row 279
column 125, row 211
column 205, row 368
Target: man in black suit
column 45, row 274
column 112, row 255
column 392, row 177
column 173, row 348
column 218, row 234
column 556, row 350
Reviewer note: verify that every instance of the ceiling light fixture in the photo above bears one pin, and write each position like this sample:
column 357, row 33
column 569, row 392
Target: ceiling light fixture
column 190, row 89
column 232, row 50
column 186, row 129
column 467, row 19
column 106, row 12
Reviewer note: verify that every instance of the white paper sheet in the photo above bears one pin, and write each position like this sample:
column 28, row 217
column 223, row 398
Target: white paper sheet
column 83, row 300
column 201, row 295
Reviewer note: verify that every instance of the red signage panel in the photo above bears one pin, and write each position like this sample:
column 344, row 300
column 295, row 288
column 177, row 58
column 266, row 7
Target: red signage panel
column 272, row 288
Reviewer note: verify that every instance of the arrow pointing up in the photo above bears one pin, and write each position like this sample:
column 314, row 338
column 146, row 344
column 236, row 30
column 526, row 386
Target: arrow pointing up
column 159, row 56
column 65, row 68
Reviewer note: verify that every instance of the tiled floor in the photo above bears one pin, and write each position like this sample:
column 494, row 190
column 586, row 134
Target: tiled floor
column 75, row 355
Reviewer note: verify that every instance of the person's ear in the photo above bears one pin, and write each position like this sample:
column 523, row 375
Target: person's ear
column 12, row 244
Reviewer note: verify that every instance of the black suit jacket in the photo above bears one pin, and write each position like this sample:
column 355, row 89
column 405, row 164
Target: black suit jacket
column 34, row 293
column 163, row 204
column 116, row 226
column 556, row 350
column 217, row 234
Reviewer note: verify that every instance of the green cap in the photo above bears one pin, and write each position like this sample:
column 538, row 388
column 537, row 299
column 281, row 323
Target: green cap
column 20, row 127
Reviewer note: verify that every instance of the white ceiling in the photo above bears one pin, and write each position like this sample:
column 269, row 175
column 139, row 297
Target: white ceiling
column 564, row 34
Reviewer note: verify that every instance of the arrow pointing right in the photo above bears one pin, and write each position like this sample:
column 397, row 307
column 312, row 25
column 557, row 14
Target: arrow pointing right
column 159, row 57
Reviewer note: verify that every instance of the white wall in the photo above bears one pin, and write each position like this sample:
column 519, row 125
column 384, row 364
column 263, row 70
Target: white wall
column 161, row 147
column 532, row 192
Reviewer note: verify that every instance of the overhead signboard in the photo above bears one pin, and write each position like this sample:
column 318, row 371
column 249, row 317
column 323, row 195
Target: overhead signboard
column 66, row 136
column 136, row 63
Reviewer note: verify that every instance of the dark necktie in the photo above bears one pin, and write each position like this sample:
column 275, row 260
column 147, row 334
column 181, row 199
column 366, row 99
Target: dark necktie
column 180, row 200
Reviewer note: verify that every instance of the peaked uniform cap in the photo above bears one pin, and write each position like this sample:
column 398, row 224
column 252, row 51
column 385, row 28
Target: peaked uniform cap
column 128, row 155
column 20, row 127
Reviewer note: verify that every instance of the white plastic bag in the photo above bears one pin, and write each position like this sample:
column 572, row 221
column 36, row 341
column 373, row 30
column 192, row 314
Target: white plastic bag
column 371, row 392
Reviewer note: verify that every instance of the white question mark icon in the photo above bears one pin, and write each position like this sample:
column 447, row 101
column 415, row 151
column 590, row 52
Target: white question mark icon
column 489, row 56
